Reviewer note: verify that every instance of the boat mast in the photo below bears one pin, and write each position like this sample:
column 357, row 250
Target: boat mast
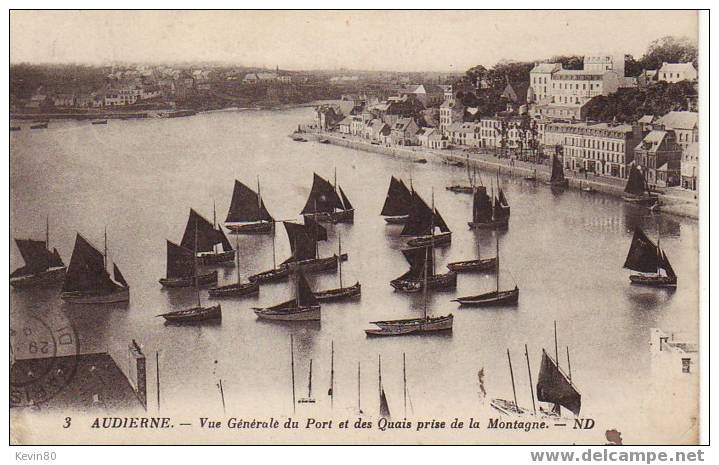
column 424, row 285
column 317, row 243
column 214, row 223
column 332, row 374
column 309, row 384
column 222, row 395
column 379, row 370
column 359, row 387
column 237, row 259
column 292, row 368
column 259, row 200
column 194, row 263
column 529, row 371
column 431, row 232
column 157, row 378
column 557, row 407
column 297, row 279
column 274, row 255
column 47, row 232
column 104, row 255
column 404, row 379
column 339, row 236
column 514, row 390
column 496, row 236
column 569, row 366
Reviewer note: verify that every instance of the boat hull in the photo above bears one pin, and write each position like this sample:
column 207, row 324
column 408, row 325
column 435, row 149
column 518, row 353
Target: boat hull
column 460, row 189
column 339, row 293
column 480, row 264
column 563, row 183
column 490, row 299
column 424, row 241
column 215, row 258
column 654, row 281
column 276, row 274
column 311, row 313
column 120, row 295
column 411, row 326
column 490, row 225
column 203, row 279
column 508, row 407
column 263, row 227
column 396, row 219
column 438, row 281
column 339, row 216
column 194, row 315
column 646, row 200
column 44, row 278
column 317, row 264
column 235, row 290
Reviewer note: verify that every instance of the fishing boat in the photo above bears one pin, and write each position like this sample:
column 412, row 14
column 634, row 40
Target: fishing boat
column 247, row 214
column 324, row 141
column 328, row 203
column 15, row 128
column 637, row 190
column 208, row 236
column 557, row 178
column 303, row 307
column 465, row 189
column 340, row 293
column 425, row 324
column 422, row 222
column 502, row 200
column 87, row 280
column 42, row 267
column 198, row 313
column 39, row 126
column 414, row 280
column 181, row 269
column 239, row 288
column 398, row 202
column 276, row 273
column 512, row 408
column 420, row 160
column 650, row 262
column 298, row 138
column 304, row 244
column 476, row 264
column 496, row 297
column 488, row 213
column 100, row 121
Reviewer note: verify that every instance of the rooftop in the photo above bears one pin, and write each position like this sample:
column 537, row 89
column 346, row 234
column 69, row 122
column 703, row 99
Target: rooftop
column 679, row 120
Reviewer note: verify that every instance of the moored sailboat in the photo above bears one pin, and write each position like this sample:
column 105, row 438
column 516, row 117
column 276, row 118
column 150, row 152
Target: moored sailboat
column 247, row 214
column 181, row 269
column 42, row 267
column 476, row 264
column 303, row 307
column 239, row 288
column 398, row 202
column 208, row 236
column 328, row 203
column 304, row 244
column 557, row 178
column 465, row 188
column 637, row 190
column 87, row 280
column 492, row 298
column 421, row 273
column 488, row 213
column 650, row 262
column 340, row 293
column 421, row 223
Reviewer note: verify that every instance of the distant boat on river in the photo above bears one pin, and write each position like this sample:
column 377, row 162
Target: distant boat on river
column 650, row 262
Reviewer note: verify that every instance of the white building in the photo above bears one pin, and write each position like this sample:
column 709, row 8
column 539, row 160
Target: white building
column 675, row 72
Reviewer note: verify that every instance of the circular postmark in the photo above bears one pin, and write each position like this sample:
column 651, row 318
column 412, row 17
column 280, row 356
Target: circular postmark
column 43, row 351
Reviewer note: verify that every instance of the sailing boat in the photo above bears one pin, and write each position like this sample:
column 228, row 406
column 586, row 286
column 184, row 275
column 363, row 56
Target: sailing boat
column 87, row 280
column 198, row 313
column 304, row 307
column 309, row 399
column 276, row 273
column 247, row 214
column 488, row 213
column 342, row 292
column 465, row 189
column 508, row 407
column 557, row 178
column 420, row 260
column 181, row 269
column 422, row 221
column 208, row 235
column 383, row 405
column 637, row 190
column 42, row 267
column 325, row 204
column 425, row 324
column 649, row 260
column 304, row 243
column 492, row 298
column 397, row 203
column 502, row 199
column 476, row 264
column 239, row 288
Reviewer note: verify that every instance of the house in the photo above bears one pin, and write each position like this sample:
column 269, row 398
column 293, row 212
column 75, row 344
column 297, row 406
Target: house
column 466, row 134
column 646, row 122
column 690, row 157
column 675, row 72
column 431, row 95
column 64, row 100
column 432, row 138
column 660, row 158
column 404, row 132
column 327, row 117
column 250, row 78
column 540, row 79
column 344, row 125
column 451, row 111
column 379, row 131
column 516, row 96
column 357, row 125
column 126, row 95
column 683, row 123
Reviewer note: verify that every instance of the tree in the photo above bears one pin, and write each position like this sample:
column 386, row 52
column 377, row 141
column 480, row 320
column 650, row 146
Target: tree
column 569, row 61
column 671, row 50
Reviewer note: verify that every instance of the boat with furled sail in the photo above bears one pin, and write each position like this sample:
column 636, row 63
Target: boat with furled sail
column 496, row 297
column 637, row 190
column 414, row 280
column 465, row 188
column 42, row 267
column 247, row 214
column 557, row 178
column 304, row 244
column 328, row 203
column 303, row 307
column 87, row 280
column 650, row 262
column 398, row 202
column 181, row 269
column 198, row 313
column 488, row 213
column 208, row 236
column 476, row 264
column 340, row 293
column 239, row 288
column 421, row 223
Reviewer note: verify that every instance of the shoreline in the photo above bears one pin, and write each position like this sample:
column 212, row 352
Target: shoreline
column 671, row 204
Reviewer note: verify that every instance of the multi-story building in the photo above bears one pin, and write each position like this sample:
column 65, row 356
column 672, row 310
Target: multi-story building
column 675, row 72
column 602, row 148
column 451, row 111
column 690, row 156
column 602, row 63
column 122, row 96
column 660, row 158
column 540, row 80
column 683, row 123
column 466, row 134
column 576, row 87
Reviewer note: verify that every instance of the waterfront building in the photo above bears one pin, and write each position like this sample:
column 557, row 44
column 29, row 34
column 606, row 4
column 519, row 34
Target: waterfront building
column 675, row 72
column 432, row 138
column 344, row 125
column 647, row 77
column 404, row 132
column 683, row 123
column 122, row 96
column 660, row 158
column 690, row 156
column 672, row 358
column 64, row 100
column 451, row 111
column 465, row 134
column 327, row 117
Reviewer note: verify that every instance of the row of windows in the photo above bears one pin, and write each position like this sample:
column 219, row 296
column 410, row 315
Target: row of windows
column 595, row 144
column 594, row 155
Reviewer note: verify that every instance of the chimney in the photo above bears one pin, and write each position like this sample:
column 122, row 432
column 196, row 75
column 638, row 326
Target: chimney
column 137, row 374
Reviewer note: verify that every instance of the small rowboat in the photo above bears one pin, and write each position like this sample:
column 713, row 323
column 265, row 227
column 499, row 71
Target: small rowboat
column 194, row 314
column 478, row 264
column 421, row 160
column 202, row 280
column 102, row 121
column 459, row 189
column 324, row 141
column 444, row 238
column 289, row 313
column 340, row 293
column 496, row 224
column 488, row 299
column 39, row 126
column 235, row 290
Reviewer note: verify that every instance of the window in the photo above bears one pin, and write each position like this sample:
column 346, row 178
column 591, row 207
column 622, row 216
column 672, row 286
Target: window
column 686, row 365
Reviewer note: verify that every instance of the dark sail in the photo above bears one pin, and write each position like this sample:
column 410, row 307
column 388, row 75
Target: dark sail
column 118, row 276
column 416, row 258
column 481, row 206
column 345, row 200
column 323, row 198
column 439, row 221
column 305, row 296
column 500, row 212
column 664, row 263
column 636, row 185
column 420, row 218
column 55, row 259
column 86, row 272
column 557, row 171
column 246, row 206
column 398, row 200
column 503, row 200
column 36, row 256
column 207, row 235
column 180, row 261
column 302, row 242
column 643, row 254
column 383, row 405
column 554, row 387
column 316, row 230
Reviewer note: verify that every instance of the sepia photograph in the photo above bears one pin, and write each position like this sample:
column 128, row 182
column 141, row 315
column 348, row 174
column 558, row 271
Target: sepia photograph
column 356, row 227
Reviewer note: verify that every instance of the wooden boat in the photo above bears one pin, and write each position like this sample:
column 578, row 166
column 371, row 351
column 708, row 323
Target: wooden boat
column 460, row 189
column 444, row 238
column 414, row 280
column 304, row 307
column 297, row 138
column 304, row 243
column 42, row 267
column 465, row 188
column 247, row 214
column 420, row 160
column 328, row 203
column 87, row 280
column 181, row 269
column 239, row 288
column 477, row 264
column 422, row 222
column 340, row 293
column 398, row 202
column 496, row 297
column 39, row 126
column 488, row 213
column 15, row 128
column 637, row 190
column 208, row 236
column 101, row 121
column 650, row 262
column 275, row 274
column 557, row 178
column 324, row 141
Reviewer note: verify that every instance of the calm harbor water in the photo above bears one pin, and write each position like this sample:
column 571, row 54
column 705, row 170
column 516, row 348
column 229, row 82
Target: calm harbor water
column 565, row 251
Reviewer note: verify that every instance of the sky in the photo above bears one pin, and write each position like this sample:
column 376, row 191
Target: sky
column 442, row 41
